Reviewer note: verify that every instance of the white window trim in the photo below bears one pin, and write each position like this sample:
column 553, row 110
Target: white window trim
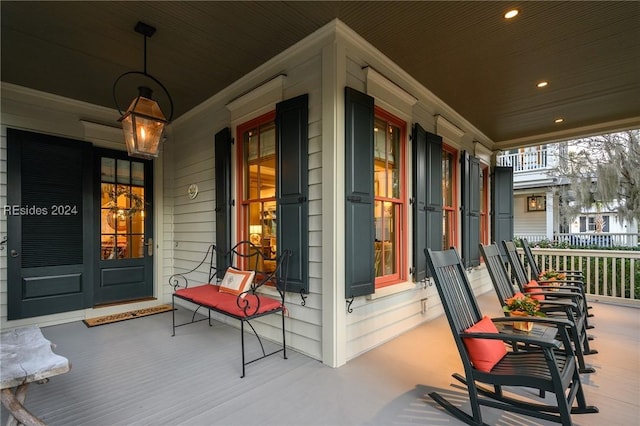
column 392, row 289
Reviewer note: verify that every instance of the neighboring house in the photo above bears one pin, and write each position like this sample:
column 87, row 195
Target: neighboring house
column 536, row 202
column 328, row 149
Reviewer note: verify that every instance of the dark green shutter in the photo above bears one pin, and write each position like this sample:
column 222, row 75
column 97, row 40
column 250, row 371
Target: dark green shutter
column 292, row 118
column 419, row 157
column 427, row 197
column 502, row 205
column 359, row 227
column 223, row 197
column 434, row 192
column 470, row 209
column 51, row 240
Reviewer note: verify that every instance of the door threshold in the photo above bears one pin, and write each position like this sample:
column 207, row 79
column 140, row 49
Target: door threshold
column 123, row 302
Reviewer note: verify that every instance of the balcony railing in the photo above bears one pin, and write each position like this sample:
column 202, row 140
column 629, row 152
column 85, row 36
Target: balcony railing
column 529, row 160
column 609, row 274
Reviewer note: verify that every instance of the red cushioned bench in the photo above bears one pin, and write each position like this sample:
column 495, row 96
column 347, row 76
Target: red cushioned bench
column 233, row 289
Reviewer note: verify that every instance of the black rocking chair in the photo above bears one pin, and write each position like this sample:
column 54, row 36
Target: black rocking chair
column 544, row 363
column 573, row 277
column 563, row 305
column 520, row 276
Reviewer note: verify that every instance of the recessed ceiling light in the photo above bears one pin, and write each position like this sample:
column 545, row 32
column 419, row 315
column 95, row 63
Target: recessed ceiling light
column 511, row 14
column 558, row 120
column 542, row 84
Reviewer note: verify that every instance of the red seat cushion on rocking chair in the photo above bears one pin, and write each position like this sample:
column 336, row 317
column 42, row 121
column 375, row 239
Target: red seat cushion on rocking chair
column 484, row 353
column 531, row 288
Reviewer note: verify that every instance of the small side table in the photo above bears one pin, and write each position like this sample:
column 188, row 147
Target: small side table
column 25, row 357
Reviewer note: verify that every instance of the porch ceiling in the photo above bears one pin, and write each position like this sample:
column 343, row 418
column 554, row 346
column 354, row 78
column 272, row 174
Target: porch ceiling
column 464, row 52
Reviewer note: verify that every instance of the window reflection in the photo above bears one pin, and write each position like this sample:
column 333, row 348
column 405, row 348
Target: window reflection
column 259, row 198
column 388, row 201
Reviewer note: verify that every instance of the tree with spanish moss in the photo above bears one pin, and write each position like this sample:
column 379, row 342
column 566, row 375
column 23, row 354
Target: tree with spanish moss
column 602, row 172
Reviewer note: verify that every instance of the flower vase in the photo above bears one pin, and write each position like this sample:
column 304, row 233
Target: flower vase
column 521, row 325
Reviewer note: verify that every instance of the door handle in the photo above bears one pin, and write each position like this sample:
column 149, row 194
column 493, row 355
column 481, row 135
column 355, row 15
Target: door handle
column 149, row 245
column 14, row 253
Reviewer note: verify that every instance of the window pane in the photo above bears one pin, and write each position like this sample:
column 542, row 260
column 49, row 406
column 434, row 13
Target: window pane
column 251, row 144
column 393, row 158
column 123, row 171
column 268, row 177
column 385, row 244
column 267, row 140
column 379, row 139
column 386, row 169
column 108, row 170
column 137, row 173
column 447, row 179
column 447, row 235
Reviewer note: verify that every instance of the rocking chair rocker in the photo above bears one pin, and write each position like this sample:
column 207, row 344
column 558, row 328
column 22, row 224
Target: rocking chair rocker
column 545, row 363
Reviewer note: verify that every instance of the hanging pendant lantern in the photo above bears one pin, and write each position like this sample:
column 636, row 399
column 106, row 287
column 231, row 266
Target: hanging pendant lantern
column 144, row 122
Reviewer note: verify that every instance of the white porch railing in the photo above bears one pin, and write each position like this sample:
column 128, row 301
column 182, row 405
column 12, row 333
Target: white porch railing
column 609, row 274
column 606, row 239
column 588, row 239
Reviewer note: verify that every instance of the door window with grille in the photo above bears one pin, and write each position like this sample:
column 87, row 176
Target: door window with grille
column 121, row 209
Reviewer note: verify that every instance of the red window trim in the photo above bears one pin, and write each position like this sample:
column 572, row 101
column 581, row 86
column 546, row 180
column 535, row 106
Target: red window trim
column 241, row 228
column 453, row 209
column 484, row 206
column 401, row 238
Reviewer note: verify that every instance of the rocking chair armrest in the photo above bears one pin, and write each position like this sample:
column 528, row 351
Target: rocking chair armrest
column 511, row 338
column 565, row 288
column 575, row 297
column 556, row 322
column 558, row 282
column 560, row 285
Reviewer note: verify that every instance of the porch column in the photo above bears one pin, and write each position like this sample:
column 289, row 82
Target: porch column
column 334, row 338
column 552, row 218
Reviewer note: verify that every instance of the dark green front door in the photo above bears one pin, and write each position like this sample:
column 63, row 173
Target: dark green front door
column 123, row 202
column 79, row 223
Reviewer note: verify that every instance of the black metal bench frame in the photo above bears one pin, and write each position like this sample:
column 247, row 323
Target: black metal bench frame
column 243, row 256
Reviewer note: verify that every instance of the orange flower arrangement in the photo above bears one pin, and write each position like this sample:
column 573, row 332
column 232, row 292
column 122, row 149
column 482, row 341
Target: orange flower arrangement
column 523, row 303
column 552, row 275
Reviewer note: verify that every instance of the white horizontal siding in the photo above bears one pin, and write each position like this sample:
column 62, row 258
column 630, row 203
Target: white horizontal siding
column 193, row 221
column 528, row 223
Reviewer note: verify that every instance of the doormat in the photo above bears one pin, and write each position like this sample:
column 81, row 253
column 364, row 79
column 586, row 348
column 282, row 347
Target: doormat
column 109, row 319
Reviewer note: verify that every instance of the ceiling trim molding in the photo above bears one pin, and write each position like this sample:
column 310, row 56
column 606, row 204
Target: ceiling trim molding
column 390, row 94
column 25, row 94
column 103, row 135
column 448, row 130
